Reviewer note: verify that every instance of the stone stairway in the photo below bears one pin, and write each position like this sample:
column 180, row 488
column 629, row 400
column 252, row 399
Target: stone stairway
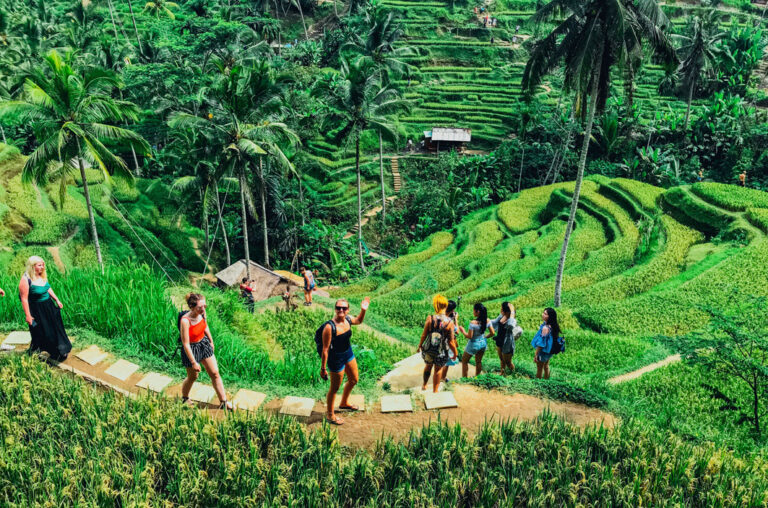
column 395, row 165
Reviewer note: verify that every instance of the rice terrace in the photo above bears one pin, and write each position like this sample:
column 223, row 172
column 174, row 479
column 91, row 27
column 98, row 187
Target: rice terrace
column 383, row 253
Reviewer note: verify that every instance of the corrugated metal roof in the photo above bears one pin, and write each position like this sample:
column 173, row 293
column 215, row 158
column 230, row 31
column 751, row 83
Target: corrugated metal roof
column 451, row 134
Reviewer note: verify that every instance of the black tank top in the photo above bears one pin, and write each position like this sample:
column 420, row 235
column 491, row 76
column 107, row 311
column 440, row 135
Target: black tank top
column 341, row 342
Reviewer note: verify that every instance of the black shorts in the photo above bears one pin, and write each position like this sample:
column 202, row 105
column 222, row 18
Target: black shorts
column 200, row 350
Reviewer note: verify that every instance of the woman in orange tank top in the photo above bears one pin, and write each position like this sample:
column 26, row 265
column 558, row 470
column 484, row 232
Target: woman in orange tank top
column 197, row 349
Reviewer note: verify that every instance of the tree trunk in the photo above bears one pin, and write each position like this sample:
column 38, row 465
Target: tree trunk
column 756, row 403
column 88, row 205
column 383, row 191
column 263, row 196
column 135, row 163
column 520, row 178
column 630, row 84
column 301, row 13
column 688, row 108
column 221, row 225
column 359, row 204
column 112, row 17
column 335, row 9
column 245, row 228
column 135, row 30
column 577, row 189
column 301, row 197
column 2, row 131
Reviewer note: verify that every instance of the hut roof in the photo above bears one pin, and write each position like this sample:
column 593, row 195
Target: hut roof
column 264, row 280
column 451, row 134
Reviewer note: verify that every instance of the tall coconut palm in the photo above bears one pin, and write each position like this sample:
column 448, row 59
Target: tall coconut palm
column 358, row 102
column 135, row 28
column 161, row 8
column 699, row 50
column 594, row 37
column 72, row 115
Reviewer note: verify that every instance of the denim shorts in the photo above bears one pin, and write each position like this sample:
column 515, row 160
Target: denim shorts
column 475, row 346
column 337, row 361
column 544, row 357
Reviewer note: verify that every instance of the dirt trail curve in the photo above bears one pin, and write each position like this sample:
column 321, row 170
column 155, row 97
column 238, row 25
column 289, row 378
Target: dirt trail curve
column 639, row 372
column 55, row 253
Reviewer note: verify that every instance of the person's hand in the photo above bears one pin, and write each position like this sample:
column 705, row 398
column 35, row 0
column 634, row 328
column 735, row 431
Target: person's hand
column 61, row 305
column 30, row 319
column 324, row 374
column 2, row 293
column 418, row 349
column 365, row 303
column 212, row 346
column 196, row 367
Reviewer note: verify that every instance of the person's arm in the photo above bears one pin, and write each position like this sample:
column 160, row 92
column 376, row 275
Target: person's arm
column 464, row 332
column 490, row 330
column 363, row 307
column 424, row 333
column 452, row 343
column 24, row 294
column 327, row 336
column 55, row 298
column 185, row 344
column 2, row 293
column 208, row 334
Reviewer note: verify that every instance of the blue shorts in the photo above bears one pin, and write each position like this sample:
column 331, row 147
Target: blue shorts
column 475, row 346
column 310, row 287
column 337, row 361
column 544, row 357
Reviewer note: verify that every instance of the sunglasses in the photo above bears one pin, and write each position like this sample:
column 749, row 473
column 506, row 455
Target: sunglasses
column 339, row 307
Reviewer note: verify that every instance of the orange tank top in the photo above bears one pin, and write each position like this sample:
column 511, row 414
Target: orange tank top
column 197, row 331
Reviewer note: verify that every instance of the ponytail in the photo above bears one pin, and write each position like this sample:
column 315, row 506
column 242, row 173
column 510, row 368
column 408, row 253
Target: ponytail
column 482, row 316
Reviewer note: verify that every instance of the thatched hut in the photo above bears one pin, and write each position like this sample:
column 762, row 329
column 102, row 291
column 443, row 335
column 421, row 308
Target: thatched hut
column 266, row 282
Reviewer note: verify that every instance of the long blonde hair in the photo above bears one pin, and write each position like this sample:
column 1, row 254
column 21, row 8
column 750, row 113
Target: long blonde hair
column 30, row 268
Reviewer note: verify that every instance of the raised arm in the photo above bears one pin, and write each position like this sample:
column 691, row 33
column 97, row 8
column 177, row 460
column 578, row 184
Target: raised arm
column 464, row 332
column 24, row 294
column 363, row 307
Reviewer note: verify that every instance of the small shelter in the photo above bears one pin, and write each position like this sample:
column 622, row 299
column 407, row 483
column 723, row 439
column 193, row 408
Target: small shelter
column 447, row 138
column 266, row 282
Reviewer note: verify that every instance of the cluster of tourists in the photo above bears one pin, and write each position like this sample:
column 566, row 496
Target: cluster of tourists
column 333, row 339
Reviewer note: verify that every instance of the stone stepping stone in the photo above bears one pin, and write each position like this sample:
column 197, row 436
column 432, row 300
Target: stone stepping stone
column 154, row 381
column 411, row 361
column 441, row 400
column 297, row 406
column 18, row 339
column 248, row 400
column 92, row 355
column 122, row 369
column 202, row 393
column 396, row 404
column 354, row 400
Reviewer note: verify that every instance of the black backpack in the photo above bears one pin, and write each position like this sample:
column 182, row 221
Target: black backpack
column 558, row 345
column 319, row 334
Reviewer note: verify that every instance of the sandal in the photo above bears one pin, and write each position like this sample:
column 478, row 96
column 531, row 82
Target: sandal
column 349, row 407
column 335, row 420
column 226, row 405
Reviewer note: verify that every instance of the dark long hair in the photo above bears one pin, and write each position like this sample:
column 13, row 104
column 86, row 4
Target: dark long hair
column 554, row 326
column 482, row 316
column 506, row 309
column 450, row 311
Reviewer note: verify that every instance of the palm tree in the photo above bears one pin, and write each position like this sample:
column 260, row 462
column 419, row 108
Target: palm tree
column 594, row 37
column 358, row 101
column 71, row 114
column 135, row 29
column 159, row 8
column 384, row 29
column 699, row 50
column 297, row 3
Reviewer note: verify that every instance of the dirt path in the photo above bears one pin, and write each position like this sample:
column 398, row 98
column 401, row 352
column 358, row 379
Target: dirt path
column 56, row 255
column 639, row 372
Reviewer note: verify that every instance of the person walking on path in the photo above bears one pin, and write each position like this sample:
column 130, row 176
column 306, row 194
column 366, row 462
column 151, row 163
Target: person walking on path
column 43, row 315
column 542, row 341
column 450, row 311
column 476, row 345
column 337, row 357
column 309, row 285
column 743, row 178
column 437, row 343
column 505, row 336
column 246, row 292
column 197, row 348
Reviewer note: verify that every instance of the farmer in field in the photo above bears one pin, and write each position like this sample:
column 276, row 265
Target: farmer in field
column 43, row 315
column 197, row 348
column 309, row 284
column 542, row 341
column 743, row 178
column 437, row 342
column 337, row 358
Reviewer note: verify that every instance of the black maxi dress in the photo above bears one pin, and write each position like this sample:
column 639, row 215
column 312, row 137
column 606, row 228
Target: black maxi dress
column 48, row 332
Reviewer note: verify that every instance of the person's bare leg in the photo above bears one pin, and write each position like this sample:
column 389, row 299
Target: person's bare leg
column 352, row 377
column 436, row 379
column 501, row 359
column 212, row 368
column 186, row 386
column 546, row 370
column 508, row 361
column 444, row 373
column 465, row 364
column 479, row 362
column 425, row 377
column 539, row 369
column 330, row 400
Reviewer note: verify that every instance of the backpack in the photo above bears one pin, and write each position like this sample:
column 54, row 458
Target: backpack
column 558, row 345
column 319, row 334
column 182, row 313
column 436, row 340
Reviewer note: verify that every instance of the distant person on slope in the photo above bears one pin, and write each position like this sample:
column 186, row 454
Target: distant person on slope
column 542, row 341
column 476, row 345
column 197, row 348
column 505, row 336
column 309, row 284
column 43, row 315
column 437, row 343
column 743, row 178
column 337, row 358
column 246, row 292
